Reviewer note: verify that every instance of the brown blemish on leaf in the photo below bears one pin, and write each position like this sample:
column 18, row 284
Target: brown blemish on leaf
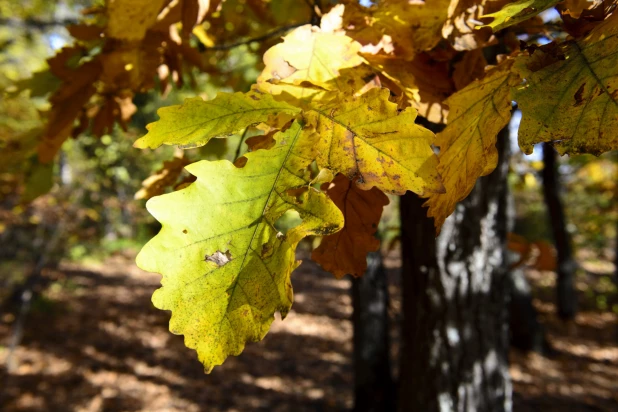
column 579, row 95
column 240, row 162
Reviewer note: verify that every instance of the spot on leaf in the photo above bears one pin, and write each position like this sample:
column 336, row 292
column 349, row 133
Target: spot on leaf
column 579, row 95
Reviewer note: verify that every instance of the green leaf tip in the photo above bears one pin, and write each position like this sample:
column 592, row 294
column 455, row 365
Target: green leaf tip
column 196, row 121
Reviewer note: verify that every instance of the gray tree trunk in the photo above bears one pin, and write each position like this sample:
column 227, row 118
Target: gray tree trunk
column 455, row 297
column 374, row 389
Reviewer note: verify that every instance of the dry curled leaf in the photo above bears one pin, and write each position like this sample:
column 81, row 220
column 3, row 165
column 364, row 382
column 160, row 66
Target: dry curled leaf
column 345, row 252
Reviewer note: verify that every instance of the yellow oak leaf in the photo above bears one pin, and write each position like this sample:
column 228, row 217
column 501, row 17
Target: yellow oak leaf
column 308, row 63
column 413, row 25
column 463, row 27
column 570, row 97
column 345, row 252
column 468, row 143
column 130, row 19
column 369, row 140
column 516, row 12
column 425, row 82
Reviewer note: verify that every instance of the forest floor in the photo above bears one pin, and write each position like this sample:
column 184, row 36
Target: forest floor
column 93, row 342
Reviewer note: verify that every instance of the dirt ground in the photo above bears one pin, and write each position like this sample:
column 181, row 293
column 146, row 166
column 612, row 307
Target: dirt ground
column 94, row 342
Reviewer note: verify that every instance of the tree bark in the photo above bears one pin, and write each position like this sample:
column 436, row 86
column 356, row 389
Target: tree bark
column 374, row 389
column 566, row 298
column 455, row 295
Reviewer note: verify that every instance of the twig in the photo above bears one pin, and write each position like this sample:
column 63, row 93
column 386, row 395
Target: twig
column 35, row 24
column 255, row 39
column 242, row 139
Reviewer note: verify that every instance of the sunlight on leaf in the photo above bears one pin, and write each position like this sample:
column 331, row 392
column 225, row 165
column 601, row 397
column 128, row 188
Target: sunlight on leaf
column 571, row 95
column 196, row 121
column 468, row 143
column 516, row 12
column 226, row 269
column 369, row 140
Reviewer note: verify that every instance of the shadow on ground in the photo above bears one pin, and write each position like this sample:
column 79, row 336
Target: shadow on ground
column 101, row 345
column 94, row 342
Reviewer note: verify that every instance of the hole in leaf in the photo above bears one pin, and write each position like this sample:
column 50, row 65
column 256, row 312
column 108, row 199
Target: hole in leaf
column 288, row 221
column 219, row 258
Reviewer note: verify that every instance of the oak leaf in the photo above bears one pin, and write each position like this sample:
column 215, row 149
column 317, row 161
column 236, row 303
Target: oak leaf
column 575, row 8
column 469, row 68
column 571, row 93
column 424, row 82
column 369, row 140
column 413, row 26
column 219, row 304
column 67, row 104
column 197, row 121
column 468, row 143
column 516, row 12
column 130, row 19
column 164, row 178
column 308, row 64
column 345, row 252
column 463, row 28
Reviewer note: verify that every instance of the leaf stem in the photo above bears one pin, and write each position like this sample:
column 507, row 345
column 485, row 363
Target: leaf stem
column 242, row 139
column 258, row 39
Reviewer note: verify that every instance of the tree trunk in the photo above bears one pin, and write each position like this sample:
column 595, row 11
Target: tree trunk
column 374, row 389
column 565, row 291
column 527, row 333
column 455, row 296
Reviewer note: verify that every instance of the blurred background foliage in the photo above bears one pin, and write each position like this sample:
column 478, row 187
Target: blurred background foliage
column 95, row 185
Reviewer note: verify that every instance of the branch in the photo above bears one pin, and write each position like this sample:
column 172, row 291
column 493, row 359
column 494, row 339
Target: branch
column 35, row 24
column 264, row 37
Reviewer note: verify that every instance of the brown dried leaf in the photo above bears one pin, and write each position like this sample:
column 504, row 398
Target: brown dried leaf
column 469, row 68
column 345, row 252
column 67, row 104
column 163, row 179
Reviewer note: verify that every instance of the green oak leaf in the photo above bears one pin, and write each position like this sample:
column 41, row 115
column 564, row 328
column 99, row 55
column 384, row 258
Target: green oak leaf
column 196, row 121
column 571, row 93
column 516, row 12
column 226, row 269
